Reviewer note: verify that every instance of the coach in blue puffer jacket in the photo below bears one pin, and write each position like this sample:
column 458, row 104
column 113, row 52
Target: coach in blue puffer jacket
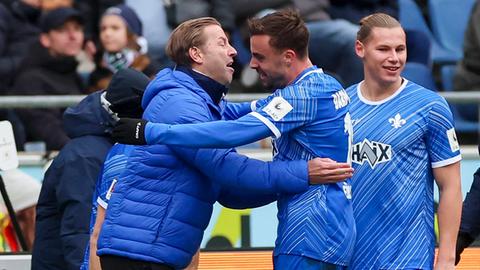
column 163, row 201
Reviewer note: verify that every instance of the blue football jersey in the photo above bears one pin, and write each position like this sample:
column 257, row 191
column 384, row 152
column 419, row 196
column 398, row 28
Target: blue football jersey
column 397, row 142
column 309, row 119
column 114, row 164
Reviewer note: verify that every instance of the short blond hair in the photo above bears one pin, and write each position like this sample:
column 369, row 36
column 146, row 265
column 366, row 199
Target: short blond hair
column 375, row 20
column 187, row 35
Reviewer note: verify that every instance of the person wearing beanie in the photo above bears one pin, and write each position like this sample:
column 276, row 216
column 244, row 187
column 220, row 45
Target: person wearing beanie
column 50, row 68
column 122, row 46
column 65, row 201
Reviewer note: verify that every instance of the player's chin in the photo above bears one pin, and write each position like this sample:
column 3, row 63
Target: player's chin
column 227, row 79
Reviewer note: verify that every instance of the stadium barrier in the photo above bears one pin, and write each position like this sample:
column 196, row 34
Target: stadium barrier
column 65, row 101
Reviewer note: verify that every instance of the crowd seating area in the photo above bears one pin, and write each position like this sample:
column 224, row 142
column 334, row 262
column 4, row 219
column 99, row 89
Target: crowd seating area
column 445, row 30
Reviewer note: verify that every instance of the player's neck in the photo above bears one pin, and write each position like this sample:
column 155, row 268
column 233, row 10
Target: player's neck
column 374, row 90
column 297, row 68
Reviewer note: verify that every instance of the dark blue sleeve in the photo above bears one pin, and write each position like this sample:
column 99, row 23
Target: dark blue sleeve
column 237, row 199
column 225, row 166
column 471, row 208
column 74, row 195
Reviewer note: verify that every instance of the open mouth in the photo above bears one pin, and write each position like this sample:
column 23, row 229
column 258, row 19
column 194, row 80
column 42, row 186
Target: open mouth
column 393, row 69
column 230, row 65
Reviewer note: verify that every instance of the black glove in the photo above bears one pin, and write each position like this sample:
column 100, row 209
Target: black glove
column 463, row 241
column 130, row 131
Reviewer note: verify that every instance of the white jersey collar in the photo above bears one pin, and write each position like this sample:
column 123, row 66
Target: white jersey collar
column 369, row 102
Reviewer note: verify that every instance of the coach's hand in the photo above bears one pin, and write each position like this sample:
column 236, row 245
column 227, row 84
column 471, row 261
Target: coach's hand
column 325, row 171
column 130, row 131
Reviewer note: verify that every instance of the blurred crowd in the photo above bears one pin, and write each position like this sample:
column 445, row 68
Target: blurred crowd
column 68, row 47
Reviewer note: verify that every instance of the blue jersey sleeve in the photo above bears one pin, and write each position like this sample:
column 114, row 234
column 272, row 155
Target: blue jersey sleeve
column 294, row 106
column 217, row 134
column 229, row 168
column 233, row 110
column 442, row 143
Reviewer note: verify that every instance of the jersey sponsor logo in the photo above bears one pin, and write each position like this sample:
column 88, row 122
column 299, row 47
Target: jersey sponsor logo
column 372, row 152
column 397, row 121
column 452, row 140
column 278, row 108
column 340, row 99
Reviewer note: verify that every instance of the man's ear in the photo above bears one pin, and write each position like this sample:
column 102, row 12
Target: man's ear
column 45, row 40
column 196, row 55
column 359, row 49
column 289, row 56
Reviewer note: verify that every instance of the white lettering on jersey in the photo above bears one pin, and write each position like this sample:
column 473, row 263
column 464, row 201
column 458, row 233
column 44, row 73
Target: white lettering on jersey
column 278, row 108
column 397, row 121
column 452, row 140
column 340, row 99
column 110, row 189
column 372, row 152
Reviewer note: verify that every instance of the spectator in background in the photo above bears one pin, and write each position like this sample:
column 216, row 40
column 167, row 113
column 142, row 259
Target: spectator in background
column 470, row 224
column 181, row 10
column 152, row 13
column 467, row 74
column 331, row 45
column 64, row 205
column 49, row 5
column 18, row 29
column 50, row 69
column 418, row 43
column 122, row 46
column 93, row 10
column 354, row 10
column 332, row 41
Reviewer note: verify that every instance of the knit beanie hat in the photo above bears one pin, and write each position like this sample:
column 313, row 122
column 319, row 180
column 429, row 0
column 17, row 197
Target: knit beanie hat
column 125, row 92
column 131, row 19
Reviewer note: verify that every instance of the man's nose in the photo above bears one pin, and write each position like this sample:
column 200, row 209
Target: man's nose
column 232, row 51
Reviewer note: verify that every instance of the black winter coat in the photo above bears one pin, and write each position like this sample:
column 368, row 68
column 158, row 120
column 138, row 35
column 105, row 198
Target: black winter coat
column 65, row 202
column 18, row 30
column 42, row 74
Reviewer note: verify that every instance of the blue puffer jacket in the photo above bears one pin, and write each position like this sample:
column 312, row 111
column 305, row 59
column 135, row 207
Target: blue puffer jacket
column 163, row 202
